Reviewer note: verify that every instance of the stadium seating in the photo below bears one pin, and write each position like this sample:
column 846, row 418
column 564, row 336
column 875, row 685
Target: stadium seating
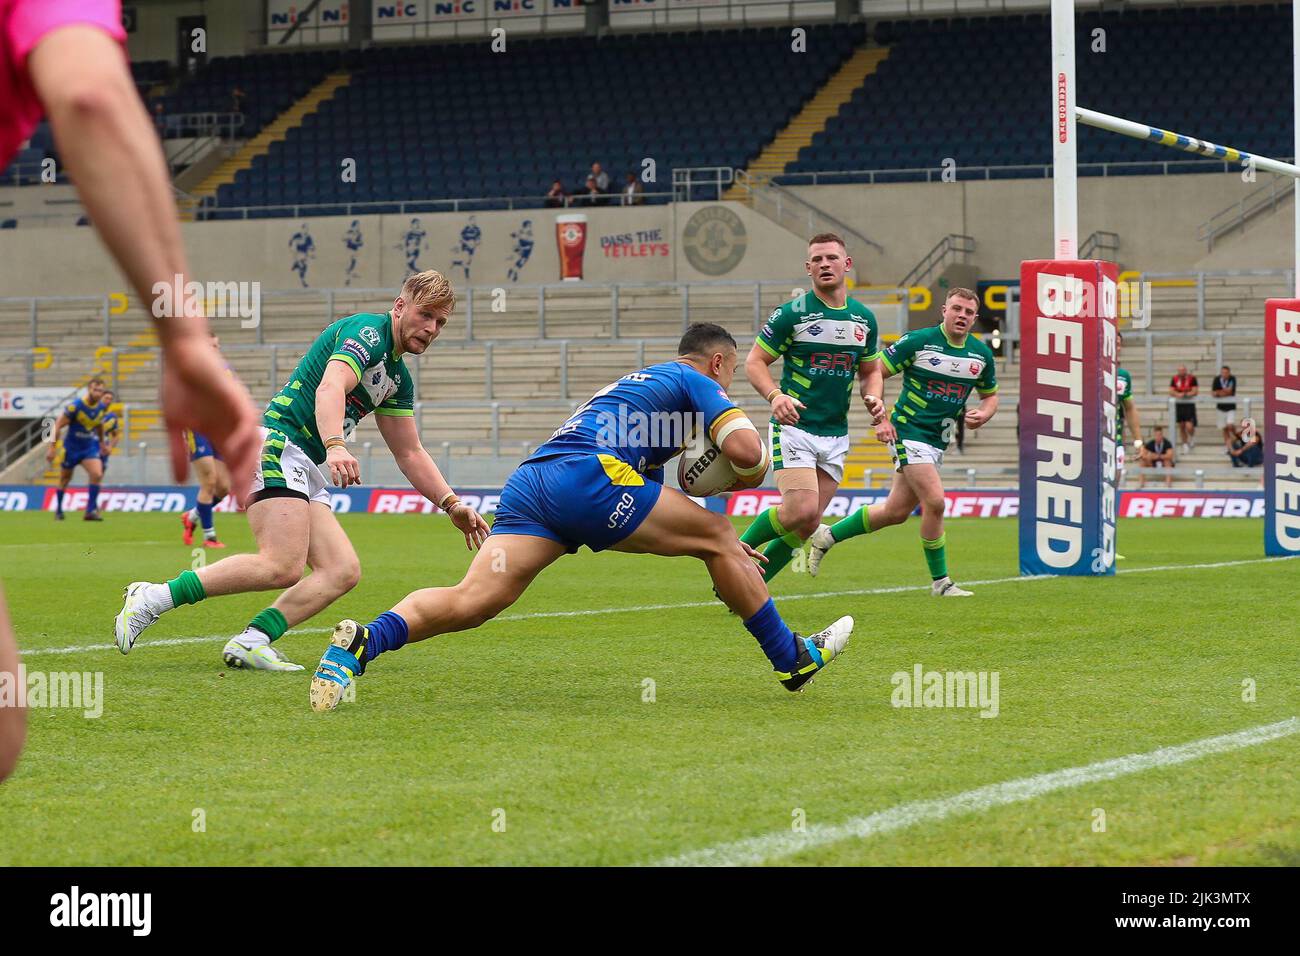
column 458, row 121
column 974, row 89
column 270, row 81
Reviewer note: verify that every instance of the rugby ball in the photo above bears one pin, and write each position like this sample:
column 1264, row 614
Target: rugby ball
column 703, row 470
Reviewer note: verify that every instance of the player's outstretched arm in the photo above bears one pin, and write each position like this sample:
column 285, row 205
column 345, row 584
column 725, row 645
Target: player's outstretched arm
column 111, row 149
column 13, row 719
column 339, row 379
column 414, row 461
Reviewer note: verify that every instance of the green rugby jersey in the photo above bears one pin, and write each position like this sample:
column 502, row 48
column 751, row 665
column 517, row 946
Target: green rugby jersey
column 1123, row 393
column 822, row 347
column 365, row 342
column 938, row 377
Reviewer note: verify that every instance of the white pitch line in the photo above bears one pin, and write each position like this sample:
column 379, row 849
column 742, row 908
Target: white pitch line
column 773, row 846
column 641, row 608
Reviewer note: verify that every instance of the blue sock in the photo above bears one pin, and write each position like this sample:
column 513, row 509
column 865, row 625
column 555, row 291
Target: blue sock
column 387, row 633
column 774, row 637
column 205, row 514
column 93, row 500
column 58, row 498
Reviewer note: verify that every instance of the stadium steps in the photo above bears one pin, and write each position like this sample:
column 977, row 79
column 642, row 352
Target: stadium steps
column 867, row 453
column 275, row 130
column 799, row 132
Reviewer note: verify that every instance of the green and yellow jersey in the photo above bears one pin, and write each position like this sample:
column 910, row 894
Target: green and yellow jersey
column 938, row 377
column 822, row 347
column 1123, row 395
column 365, row 342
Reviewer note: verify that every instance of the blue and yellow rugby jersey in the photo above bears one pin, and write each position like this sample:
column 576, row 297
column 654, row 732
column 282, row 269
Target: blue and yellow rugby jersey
column 83, row 420
column 645, row 418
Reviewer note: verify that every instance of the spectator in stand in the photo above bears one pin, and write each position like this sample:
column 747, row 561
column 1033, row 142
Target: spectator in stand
column 237, row 98
column 1246, row 448
column 1184, row 388
column 556, row 196
column 159, row 118
column 591, row 194
column 600, row 176
column 632, row 191
column 1224, row 386
column 1158, row 453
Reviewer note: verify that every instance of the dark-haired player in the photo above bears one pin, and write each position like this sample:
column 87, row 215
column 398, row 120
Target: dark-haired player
column 941, row 367
column 598, row 482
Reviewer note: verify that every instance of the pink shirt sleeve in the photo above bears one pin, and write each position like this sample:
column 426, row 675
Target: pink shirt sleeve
column 23, row 24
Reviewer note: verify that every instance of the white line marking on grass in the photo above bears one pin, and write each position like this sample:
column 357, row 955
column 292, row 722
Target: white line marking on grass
column 782, row 844
column 640, row 608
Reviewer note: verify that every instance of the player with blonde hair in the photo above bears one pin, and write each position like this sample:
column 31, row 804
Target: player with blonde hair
column 353, row 368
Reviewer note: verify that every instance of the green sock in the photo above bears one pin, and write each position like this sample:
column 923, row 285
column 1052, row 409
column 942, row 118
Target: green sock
column 271, row 623
column 186, row 588
column 936, row 556
column 855, row 524
column 764, row 529
column 778, row 555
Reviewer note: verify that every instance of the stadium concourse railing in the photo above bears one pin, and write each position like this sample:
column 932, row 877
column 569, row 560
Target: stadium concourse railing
column 211, row 210
column 930, row 174
column 478, row 302
column 711, row 186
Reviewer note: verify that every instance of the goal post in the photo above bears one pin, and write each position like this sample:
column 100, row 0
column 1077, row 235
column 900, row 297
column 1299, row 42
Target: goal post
column 1068, row 491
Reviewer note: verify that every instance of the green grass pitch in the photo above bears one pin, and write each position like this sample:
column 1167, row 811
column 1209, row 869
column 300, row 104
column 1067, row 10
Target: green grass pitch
column 531, row 741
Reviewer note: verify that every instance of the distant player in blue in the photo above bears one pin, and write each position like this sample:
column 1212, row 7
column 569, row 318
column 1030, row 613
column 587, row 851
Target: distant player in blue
column 598, row 482
column 523, row 249
column 83, row 418
column 412, row 245
column 110, row 431
column 304, row 247
column 470, row 237
column 352, row 239
column 214, row 482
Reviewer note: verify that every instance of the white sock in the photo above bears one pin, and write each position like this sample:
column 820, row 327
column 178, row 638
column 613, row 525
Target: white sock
column 160, row 596
column 194, row 516
column 210, row 534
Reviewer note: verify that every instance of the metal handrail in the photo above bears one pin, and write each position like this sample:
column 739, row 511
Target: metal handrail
column 687, row 178
column 951, row 243
column 409, row 206
column 1099, row 241
column 1031, row 171
column 1239, row 213
column 22, row 441
column 811, row 217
